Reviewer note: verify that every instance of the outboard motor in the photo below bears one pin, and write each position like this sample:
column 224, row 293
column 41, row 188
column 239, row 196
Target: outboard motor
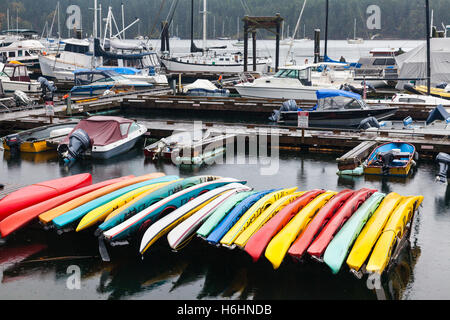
column 444, row 160
column 79, row 142
column 386, row 159
column 13, row 141
column 370, row 122
column 289, row 105
column 48, row 90
column 441, row 85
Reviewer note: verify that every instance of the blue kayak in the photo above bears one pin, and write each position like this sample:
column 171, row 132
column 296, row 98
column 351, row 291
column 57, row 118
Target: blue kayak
column 235, row 214
column 74, row 215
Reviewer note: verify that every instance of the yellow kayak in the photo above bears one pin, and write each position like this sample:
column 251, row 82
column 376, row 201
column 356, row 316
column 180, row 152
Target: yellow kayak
column 279, row 245
column 433, row 91
column 251, row 214
column 276, row 207
column 393, row 230
column 372, row 230
column 100, row 213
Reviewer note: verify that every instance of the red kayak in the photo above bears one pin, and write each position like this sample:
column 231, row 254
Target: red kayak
column 320, row 244
column 22, row 217
column 258, row 242
column 35, row 193
column 302, row 243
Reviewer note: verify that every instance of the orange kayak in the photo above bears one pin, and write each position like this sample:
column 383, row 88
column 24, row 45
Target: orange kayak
column 21, row 218
column 49, row 215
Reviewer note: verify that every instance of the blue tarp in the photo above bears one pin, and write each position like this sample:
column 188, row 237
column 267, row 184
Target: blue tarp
column 124, row 70
column 329, row 93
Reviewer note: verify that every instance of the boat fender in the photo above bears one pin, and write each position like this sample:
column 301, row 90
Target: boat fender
column 79, row 141
column 443, row 159
column 370, row 122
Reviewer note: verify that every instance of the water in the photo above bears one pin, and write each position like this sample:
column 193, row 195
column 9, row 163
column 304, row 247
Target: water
column 200, row 271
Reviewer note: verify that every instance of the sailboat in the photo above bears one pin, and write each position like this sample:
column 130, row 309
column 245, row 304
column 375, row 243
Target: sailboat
column 205, row 60
column 355, row 40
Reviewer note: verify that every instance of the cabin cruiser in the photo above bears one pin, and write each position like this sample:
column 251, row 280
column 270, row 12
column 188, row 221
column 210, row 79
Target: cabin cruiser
column 334, row 108
column 14, row 76
column 100, row 137
column 24, row 51
column 97, row 82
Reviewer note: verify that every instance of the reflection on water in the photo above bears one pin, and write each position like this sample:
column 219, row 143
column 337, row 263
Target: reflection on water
column 199, row 271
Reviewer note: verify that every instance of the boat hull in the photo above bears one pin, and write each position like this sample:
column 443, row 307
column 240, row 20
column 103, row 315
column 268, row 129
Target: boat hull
column 251, row 91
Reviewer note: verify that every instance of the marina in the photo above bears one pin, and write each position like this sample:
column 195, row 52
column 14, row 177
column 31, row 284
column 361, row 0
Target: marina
column 248, row 164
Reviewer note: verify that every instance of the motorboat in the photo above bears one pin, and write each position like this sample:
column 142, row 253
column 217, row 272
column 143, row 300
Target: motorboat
column 24, row 51
column 391, row 159
column 14, row 76
column 334, row 108
column 35, row 140
column 100, row 137
column 138, row 75
column 97, row 82
column 204, row 88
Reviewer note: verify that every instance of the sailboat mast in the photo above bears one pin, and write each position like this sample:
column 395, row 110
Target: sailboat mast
column 204, row 24
column 95, row 19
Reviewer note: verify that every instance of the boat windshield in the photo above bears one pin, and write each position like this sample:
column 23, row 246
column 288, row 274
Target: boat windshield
column 339, row 103
column 302, row 74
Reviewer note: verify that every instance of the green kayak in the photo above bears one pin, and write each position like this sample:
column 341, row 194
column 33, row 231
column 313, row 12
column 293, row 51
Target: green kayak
column 341, row 244
column 221, row 212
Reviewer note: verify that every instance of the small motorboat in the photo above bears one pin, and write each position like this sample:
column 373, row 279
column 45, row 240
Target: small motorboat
column 97, row 82
column 14, row 76
column 100, row 137
column 189, row 147
column 334, row 108
column 391, row 159
column 35, row 140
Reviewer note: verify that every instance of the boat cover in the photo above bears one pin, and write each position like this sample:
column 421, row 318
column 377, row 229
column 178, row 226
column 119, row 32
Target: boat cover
column 329, row 93
column 103, row 130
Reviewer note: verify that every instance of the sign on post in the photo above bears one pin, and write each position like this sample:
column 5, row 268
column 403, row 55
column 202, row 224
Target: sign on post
column 303, row 119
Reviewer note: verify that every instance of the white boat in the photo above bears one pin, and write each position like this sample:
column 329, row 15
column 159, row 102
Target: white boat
column 355, row 40
column 23, row 51
column 296, row 82
column 14, row 76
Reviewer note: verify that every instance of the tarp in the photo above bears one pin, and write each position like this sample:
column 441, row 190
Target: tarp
column 103, row 130
column 200, row 84
column 413, row 64
column 328, row 93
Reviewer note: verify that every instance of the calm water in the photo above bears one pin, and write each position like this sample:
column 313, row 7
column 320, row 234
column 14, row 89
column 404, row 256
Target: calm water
column 35, row 263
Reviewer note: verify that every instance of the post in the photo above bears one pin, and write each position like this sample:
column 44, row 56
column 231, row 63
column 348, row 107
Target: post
column 254, row 49
column 325, row 54
column 277, row 44
column 316, row 45
column 95, row 19
column 245, row 43
column 427, row 9
column 123, row 22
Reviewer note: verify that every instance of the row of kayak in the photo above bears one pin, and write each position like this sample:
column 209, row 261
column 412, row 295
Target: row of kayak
column 356, row 227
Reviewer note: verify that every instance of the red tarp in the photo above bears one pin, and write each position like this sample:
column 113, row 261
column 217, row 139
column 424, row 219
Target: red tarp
column 102, row 130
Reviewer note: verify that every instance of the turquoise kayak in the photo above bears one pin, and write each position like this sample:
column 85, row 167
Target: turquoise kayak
column 338, row 249
column 73, row 216
column 142, row 220
column 152, row 198
column 221, row 212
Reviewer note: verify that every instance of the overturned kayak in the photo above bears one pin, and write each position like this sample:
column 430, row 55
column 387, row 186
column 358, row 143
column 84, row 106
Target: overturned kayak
column 253, row 213
column 371, row 231
column 183, row 232
column 38, row 192
column 142, row 203
column 221, row 212
column 22, row 217
column 319, row 245
column 230, row 220
column 393, row 230
column 279, row 245
column 167, row 223
column 339, row 247
column 266, row 216
column 142, row 220
column 100, row 213
column 258, row 242
column 72, row 217
column 301, row 244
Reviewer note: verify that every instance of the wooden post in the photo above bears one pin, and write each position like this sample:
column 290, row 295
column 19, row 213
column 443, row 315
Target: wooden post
column 427, row 9
column 254, row 49
column 245, row 43
column 316, row 45
column 277, row 45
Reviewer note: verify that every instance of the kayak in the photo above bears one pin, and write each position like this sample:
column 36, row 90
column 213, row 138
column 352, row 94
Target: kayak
column 183, row 232
column 221, row 212
column 371, row 231
column 339, row 247
column 39, row 192
column 393, row 230
column 258, row 242
column 279, row 245
column 47, row 217
column 299, row 247
column 234, row 215
column 100, row 213
column 151, row 198
column 139, row 222
column 266, row 216
column 317, row 248
column 22, row 217
column 167, row 223
column 251, row 214
column 73, row 216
